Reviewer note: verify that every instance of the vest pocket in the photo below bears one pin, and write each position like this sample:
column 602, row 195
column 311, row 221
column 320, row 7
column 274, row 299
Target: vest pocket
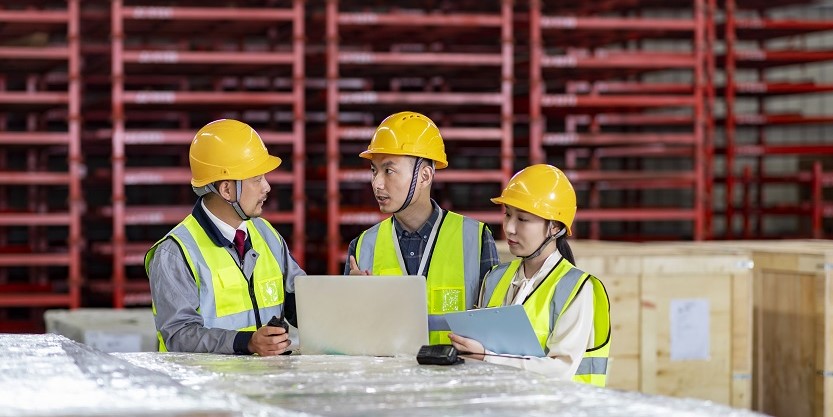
column 230, row 292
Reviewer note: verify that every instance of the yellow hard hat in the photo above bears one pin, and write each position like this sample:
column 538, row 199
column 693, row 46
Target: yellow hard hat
column 408, row 133
column 228, row 149
column 544, row 191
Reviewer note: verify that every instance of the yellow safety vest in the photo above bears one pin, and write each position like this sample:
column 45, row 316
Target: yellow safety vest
column 549, row 301
column 225, row 300
column 453, row 277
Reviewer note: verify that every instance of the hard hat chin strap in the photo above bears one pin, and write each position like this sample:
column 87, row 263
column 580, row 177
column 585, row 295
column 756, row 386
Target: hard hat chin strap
column 413, row 186
column 210, row 188
column 546, row 242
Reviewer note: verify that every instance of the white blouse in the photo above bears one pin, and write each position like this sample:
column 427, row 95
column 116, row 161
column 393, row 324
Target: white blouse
column 573, row 332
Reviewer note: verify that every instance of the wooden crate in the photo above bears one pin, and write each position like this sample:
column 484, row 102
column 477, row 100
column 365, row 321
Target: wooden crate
column 793, row 329
column 643, row 282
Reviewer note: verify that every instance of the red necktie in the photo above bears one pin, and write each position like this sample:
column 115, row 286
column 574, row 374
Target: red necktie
column 240, row 242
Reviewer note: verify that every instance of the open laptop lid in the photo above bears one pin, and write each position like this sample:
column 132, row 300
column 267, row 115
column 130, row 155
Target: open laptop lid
column 361, row 315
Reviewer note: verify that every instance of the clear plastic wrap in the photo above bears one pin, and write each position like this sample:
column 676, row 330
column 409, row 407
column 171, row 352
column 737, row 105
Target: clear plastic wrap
column 368, row 386
column 49, row 375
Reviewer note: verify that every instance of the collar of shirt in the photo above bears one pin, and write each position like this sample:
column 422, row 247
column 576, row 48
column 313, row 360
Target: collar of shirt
column 522, row 287
column 424, row 230
column 226, row 230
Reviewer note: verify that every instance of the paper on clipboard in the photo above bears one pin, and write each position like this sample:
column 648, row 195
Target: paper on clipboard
column 504, row 330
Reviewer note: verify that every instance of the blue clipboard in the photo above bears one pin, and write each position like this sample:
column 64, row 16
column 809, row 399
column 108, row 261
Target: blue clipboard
column 503, row 330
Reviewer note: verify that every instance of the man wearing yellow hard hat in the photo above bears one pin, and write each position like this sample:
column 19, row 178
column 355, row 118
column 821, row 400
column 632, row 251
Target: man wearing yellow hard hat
column 452, row 251
column 218, row 277
column 568, row 308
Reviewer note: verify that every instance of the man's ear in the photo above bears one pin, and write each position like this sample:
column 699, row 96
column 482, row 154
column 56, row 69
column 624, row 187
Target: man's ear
column 426, row 173
column 224, row 189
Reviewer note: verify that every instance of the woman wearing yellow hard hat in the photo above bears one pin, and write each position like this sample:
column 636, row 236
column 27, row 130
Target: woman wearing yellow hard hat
column 568, row 308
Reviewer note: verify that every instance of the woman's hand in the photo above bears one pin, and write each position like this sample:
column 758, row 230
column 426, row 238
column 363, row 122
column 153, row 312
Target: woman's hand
column 468, row 348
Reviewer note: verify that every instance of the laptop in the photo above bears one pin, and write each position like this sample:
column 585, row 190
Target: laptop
column 361, row 315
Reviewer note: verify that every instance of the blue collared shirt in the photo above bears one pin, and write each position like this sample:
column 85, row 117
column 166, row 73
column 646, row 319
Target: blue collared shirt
column 413, row 245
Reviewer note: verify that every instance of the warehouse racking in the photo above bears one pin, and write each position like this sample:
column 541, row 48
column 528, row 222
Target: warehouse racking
column 175, row 68
column 770, row 130
column 454, row 64
column 40, row 162
column 618, row 99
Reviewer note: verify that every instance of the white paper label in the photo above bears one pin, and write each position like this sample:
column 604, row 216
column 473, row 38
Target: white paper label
column 690, row 329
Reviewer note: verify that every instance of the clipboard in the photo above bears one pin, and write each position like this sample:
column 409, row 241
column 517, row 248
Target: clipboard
column 503, row 330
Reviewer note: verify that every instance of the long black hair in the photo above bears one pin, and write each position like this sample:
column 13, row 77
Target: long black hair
column 564, row 247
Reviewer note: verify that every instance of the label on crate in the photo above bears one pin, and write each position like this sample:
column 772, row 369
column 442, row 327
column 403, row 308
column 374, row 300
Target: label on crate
column 113, row 342
column 690, row 329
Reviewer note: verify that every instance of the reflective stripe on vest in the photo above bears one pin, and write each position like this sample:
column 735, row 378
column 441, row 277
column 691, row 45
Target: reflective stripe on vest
column 554, row 294
column 592, row 366
column 453, row 277
column 223, row 289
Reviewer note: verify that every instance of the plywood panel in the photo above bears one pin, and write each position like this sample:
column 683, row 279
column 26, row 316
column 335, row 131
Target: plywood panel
column 706, row 379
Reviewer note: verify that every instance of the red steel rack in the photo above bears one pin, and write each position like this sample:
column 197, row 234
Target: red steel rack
column 763, row 60
column 454, row 64
column 618, row 99
column 176, row 66
column 40, row 162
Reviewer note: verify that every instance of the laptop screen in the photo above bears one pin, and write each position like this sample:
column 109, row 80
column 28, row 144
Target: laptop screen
column 361, row 315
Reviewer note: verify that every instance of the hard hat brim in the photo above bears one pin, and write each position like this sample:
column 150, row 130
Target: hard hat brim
column 368, row 154
column 522, row 205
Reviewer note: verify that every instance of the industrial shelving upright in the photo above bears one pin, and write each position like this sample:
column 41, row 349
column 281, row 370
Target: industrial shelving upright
column 453, row 63
column 618, row 100
column 176, row 66
column 40, row 162
column 773, row 131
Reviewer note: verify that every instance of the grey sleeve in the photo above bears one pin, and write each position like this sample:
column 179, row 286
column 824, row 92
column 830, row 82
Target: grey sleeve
column 291, row 270
column 176, row 299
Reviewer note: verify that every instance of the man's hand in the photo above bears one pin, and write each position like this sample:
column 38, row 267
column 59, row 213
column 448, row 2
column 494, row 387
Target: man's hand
column 354, row 267
column 468, row 348
column 269, row 341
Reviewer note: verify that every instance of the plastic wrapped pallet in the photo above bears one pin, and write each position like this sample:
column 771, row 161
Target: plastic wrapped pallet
column 49, row 375
column 108, row 330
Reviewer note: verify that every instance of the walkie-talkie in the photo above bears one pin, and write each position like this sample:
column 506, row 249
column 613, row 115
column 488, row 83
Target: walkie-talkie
column 280, row 322
column 438, row 355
